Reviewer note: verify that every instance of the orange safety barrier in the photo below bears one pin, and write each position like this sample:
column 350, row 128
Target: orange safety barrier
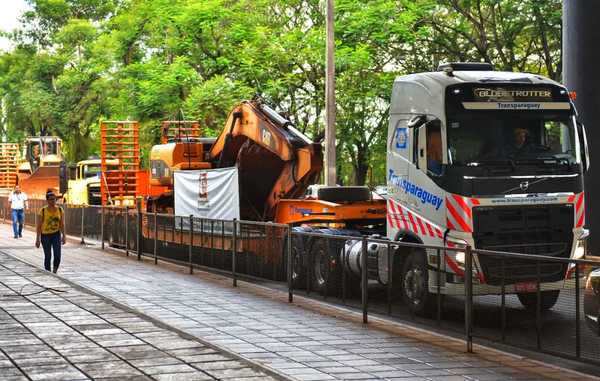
column 177, row 130
column 120, row 182
column 9, row 161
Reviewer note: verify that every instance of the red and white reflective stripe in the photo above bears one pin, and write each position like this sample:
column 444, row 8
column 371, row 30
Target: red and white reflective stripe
column 400, row 217
column 579, row 201
column 458, row 213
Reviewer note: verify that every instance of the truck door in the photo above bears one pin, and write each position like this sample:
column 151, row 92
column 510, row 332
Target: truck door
column 399, row 156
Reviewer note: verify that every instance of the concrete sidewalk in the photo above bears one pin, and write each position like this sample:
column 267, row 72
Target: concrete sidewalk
column 50, row 330
column 303, row 343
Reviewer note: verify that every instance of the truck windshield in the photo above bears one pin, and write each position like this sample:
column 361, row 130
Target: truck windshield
column 511, row 139
column 91, row 170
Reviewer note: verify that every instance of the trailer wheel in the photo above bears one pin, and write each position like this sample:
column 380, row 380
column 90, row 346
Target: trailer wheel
column 415, row 285
column 326, row 274
column 548, row 299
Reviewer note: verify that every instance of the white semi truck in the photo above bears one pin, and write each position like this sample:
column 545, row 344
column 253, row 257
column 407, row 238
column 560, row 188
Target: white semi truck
column 494, row 160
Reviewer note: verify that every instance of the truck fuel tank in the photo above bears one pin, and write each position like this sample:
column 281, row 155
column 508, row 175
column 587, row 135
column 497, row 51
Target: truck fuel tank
column 377, row 259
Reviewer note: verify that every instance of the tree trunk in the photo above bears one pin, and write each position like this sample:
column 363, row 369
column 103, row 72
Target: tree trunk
column 361, row 165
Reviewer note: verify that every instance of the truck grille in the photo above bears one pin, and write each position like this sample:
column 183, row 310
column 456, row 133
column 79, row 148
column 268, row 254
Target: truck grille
column 541, row 230
column 94, row 195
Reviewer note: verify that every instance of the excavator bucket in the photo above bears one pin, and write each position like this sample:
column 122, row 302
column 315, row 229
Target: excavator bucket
column 9, row 160
column 120, row 181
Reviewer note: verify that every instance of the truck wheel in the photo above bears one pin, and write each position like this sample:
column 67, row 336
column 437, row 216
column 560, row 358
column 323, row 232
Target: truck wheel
column 415, row 285
column 298, row 268
column 326, row 273
column 548, row 299
column 344, row 194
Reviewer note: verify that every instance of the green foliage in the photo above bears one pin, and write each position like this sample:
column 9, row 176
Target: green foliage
column 79, row 61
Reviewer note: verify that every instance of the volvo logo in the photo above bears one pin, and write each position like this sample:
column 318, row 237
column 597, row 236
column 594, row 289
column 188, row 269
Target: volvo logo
column 524, row 185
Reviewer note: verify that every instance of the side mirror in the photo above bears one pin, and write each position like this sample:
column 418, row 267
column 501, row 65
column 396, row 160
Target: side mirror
column 417, row 121
column 584, row 146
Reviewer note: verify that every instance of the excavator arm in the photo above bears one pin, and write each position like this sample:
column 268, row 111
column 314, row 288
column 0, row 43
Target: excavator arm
column 274, row 159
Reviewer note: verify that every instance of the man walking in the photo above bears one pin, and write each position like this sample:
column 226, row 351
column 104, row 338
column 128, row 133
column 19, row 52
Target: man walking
column 18, row 203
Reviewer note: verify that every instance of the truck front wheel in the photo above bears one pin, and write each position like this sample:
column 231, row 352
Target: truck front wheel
column 547, row 301
column 415, row 285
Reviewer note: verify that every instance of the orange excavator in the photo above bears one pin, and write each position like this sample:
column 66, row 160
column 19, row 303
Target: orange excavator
column 276, row 162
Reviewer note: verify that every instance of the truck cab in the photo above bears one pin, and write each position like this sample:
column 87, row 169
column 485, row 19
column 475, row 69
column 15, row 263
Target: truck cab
column 84, row 187
column 494, row 160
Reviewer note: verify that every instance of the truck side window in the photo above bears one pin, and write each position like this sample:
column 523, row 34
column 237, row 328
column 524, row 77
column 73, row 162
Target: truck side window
column 434, row 148
column 415, row 146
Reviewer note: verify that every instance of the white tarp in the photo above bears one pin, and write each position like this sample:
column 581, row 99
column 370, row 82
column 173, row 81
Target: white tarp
column 211, row 193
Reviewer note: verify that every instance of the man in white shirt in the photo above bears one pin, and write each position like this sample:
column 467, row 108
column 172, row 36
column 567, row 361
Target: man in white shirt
column 18, row 204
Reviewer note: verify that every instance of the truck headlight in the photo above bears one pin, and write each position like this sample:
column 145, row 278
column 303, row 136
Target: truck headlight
column 459, row 257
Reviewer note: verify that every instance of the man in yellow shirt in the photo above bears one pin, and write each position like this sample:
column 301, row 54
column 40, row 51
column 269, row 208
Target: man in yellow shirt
column 51, row 231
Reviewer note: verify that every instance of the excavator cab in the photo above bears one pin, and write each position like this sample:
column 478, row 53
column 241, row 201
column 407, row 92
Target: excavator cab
column 43, row 166
column 43, row 151
column 181, row 148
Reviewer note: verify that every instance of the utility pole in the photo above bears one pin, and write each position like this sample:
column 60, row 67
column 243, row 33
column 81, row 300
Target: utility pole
column 580, row 74
column 330, row 168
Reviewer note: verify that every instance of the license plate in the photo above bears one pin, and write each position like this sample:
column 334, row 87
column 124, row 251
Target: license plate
column 526, row 286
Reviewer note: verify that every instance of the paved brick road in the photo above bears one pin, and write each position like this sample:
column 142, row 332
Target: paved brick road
column 75, row 335
column 295, row 341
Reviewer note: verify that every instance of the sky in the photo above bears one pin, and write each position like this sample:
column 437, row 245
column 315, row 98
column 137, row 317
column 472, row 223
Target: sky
column 9, row 14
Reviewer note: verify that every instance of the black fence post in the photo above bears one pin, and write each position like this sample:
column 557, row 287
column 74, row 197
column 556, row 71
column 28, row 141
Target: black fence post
column 82, row 242
column 222, row 242
column 469, row 298
column 577, row 313
column 364, row 281
column 181, row 230
column 290, row 264
column 390, row 279
column 127, row 231
column 102, row 226
column 138, row 206
column 503, row 306
column 155, row 235
column 538, row 309
column 191, row 243
column 328, row 275
column 438, row 281
column 234, row 251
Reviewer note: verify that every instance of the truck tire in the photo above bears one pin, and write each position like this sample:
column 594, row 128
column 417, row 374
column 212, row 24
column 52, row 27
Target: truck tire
column 341, row 194
column 548, row 299
column 325, row 269
column 415, row 285
column 298, row 266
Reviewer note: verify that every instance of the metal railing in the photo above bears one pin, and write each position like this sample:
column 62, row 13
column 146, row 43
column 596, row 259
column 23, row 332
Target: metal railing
column 320, row 266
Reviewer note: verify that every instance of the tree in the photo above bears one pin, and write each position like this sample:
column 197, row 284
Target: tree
column 78, row 61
